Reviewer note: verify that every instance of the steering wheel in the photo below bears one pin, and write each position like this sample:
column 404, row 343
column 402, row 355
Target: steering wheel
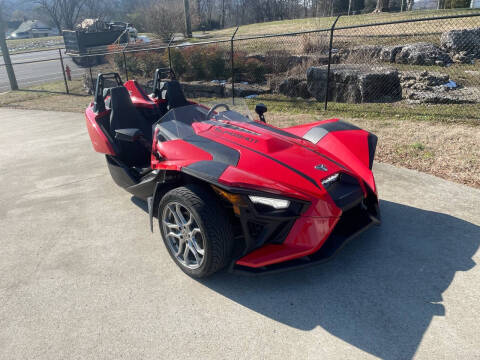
column 215, row 107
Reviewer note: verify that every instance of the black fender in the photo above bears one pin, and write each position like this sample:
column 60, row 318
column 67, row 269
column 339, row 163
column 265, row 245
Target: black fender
column 166, row 181
column 155, row 199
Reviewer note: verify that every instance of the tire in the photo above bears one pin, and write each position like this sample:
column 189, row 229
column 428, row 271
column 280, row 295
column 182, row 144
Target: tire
column 209, row 231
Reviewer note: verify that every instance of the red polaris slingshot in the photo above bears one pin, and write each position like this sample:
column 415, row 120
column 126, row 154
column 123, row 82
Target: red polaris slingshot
column 230, row 191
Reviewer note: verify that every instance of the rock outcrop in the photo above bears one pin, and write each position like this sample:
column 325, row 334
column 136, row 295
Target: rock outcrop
column 355, row 83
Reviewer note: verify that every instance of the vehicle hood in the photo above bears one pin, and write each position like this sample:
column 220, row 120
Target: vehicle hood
column 277, row 159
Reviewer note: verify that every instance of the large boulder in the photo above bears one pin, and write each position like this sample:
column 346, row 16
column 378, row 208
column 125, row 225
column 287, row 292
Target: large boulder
column 389, row 53
column 243, row 89
column 427, row 87
column 422, row 80
column 294, row 88
column 195, row 89
column 367, row 53
column 466, row 40
column 355, row 83
column 422, row 54
column 443, row 95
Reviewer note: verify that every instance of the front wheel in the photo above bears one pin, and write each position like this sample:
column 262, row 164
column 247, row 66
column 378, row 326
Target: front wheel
column 195, row 230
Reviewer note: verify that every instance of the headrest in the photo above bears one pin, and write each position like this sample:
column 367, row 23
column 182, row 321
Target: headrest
column 175, row 95
column 120, row 96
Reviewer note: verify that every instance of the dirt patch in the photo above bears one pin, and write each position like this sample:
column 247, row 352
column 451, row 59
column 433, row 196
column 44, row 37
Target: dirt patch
column 449, row 151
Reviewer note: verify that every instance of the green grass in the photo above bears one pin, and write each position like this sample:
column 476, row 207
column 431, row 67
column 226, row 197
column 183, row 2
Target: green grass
column 451, row 113
column 388, row 113
column 306, row 24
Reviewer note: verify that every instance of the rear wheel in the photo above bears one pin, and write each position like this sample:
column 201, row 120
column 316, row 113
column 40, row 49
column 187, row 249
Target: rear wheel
column 195, row 230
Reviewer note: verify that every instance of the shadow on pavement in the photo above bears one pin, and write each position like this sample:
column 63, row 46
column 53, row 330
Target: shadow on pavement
column 380, row 293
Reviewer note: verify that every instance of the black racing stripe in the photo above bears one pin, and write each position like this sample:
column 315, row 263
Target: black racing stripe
column 220, row 153
column 339, row 125
column 279, row 162
column 230, row 126
column 173, row 130
column 275, row 130
column 372, row 145
column 315, row 134
column 207, row 170
column 282, row 132
column 325, row 157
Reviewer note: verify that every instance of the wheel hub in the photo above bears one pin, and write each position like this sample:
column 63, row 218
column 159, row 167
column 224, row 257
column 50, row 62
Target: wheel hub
column 183, row 235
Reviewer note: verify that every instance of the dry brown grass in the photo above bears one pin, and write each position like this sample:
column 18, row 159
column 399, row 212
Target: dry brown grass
column 49, row 96
column 450, row 151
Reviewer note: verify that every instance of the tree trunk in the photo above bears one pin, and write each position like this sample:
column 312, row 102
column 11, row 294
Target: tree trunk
column 382, row 5
column 188, row 23
column 223, row 14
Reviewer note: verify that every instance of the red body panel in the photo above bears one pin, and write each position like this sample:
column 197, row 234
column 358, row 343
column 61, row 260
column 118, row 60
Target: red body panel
column 306, row 237
column 99, row 140
column 138, row 96
column 178, row 153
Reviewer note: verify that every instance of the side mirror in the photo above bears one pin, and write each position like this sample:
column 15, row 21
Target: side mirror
column 128, row 135
column 261, row 109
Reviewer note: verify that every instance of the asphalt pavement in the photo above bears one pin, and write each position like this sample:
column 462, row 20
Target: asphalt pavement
column 82, row 277
column 38, row 72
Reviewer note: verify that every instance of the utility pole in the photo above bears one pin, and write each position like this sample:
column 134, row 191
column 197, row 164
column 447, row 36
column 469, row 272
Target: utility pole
column 188, row 23
column 6, row 55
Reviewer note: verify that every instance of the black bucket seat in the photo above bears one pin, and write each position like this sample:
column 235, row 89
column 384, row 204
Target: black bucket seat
column 124, row 115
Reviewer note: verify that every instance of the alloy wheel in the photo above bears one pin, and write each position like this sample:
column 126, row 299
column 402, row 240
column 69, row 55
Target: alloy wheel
column 183, row 234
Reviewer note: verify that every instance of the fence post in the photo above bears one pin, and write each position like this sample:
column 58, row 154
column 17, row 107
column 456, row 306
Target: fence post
column 170, row 56
column 63, row 70
column 233, row 67
column 125, row 65
column 332, row 29
column 6, row 55
column 91, row 79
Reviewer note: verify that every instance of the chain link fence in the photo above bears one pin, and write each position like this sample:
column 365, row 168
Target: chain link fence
column 413, row 59
column 36, row 70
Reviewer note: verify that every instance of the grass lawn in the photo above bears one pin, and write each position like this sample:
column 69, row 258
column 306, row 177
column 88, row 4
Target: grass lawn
column 286, row 26
column 49, row 96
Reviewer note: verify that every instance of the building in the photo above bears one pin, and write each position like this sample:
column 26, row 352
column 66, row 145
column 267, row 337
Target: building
column 425, row 5
column 32, row 29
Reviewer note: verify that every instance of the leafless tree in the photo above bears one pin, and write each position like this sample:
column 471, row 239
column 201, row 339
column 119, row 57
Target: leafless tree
column 63, row 13
column 382, row 5
column 165, row 18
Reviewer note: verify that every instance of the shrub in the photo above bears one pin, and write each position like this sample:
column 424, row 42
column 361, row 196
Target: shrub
column 179, row 63
column 205, row 63
column 254, row 70
column 312, row 43
column 277, row 61
column 149, row 62
column 215, row 63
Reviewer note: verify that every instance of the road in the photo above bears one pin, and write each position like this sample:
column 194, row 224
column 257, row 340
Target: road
column 82, row 277
column 36, row 73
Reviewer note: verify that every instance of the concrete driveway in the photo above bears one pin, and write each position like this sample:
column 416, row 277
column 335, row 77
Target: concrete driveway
column 82, row 277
